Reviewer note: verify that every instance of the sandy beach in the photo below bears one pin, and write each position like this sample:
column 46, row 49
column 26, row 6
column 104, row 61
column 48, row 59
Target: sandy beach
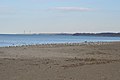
column 88, row 61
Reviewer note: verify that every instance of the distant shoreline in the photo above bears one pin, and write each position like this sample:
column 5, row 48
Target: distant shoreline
column 106, row 34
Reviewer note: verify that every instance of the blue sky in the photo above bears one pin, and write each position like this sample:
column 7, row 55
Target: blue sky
column 51, row 16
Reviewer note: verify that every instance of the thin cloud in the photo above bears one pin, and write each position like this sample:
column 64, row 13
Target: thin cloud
column 6, row 10
column 72, row 9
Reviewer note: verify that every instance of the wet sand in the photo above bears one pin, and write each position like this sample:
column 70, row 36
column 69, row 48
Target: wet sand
column 89, row 61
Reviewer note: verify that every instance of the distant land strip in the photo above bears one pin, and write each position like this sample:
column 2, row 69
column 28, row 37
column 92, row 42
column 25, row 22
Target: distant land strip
column 92, row 34
column 107, row 34
column 98, row 34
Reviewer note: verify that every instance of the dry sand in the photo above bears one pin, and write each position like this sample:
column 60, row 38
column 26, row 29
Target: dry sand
column 89, row 61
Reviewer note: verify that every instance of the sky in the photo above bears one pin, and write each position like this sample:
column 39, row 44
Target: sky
column 59, row 16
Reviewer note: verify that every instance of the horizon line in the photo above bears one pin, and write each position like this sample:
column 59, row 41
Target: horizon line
column 62, row 32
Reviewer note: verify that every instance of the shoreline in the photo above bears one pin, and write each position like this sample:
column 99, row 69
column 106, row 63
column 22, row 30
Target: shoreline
column 77, row 43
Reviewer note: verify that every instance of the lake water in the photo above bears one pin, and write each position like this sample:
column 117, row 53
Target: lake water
column 19, row 39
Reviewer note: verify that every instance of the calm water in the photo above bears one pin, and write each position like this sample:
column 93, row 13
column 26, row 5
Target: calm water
column 18, row 40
